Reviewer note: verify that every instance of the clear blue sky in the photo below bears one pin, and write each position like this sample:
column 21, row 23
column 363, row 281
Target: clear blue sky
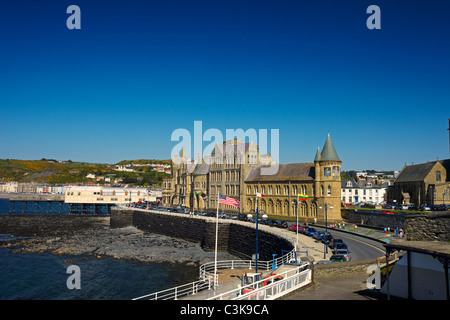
column 138, row 70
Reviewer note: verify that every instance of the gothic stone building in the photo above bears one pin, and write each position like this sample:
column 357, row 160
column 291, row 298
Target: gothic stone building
column 235, row 169
column 425, row 183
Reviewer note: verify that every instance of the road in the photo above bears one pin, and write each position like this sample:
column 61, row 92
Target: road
column 360, row 248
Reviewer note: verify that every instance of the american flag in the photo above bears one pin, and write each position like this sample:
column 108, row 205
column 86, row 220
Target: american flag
column 229, row 201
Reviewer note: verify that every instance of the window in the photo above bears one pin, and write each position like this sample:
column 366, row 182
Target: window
column 329, row 191
column 438, row 176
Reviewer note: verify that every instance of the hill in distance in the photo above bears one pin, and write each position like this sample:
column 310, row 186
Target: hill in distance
column 61, row 172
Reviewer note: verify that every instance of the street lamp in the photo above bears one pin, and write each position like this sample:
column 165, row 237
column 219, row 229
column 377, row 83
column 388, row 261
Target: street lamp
column 296, row 226
column 325, row 248
column 257, row 218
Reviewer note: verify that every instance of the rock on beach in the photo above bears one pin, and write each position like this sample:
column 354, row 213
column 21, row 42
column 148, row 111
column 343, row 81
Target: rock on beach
column 78, row 237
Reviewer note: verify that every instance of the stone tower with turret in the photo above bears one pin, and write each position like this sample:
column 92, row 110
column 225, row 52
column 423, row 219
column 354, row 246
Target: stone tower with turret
column 327, row 185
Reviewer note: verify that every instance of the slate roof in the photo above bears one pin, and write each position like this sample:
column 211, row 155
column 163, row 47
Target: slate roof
column 317, row 158
column 286, row 172
column 417, row 172
column 201, row 169
column 328, row 151
column 354, row 184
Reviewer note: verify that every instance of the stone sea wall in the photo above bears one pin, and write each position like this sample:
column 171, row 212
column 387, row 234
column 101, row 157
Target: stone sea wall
column 431, row 227
column 236, row 239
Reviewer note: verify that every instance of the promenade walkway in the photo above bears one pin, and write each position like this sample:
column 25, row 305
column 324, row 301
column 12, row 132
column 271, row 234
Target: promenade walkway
column 351, row 285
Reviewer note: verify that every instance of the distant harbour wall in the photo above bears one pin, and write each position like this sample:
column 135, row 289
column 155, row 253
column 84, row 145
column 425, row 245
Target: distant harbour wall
column 56, row 225
column 234, row 238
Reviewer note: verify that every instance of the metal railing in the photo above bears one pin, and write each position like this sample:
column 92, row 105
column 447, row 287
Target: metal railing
column 207, row 269
column 291, row 280
column 180, row 291
column 207, row 274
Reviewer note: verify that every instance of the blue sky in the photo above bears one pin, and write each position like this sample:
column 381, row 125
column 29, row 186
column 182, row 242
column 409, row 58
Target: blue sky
column 138, row 70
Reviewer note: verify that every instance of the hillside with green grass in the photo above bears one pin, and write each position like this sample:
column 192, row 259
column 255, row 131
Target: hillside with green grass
column 61, row 172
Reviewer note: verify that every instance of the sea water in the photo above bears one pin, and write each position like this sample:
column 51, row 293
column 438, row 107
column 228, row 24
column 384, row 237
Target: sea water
column 43, row 276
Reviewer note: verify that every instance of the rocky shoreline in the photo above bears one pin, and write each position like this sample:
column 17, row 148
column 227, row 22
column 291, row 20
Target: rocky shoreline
column 69, row 235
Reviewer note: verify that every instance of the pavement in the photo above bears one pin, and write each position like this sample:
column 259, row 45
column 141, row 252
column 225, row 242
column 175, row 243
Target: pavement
column 350, row 286
column 337, row 287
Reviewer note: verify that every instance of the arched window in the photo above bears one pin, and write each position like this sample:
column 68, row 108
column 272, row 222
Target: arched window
column 329, row 191
column 270, row 207
column 314, row 210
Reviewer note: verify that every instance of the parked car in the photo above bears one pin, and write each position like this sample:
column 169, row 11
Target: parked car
column 387, row 212
column 327, row 238
column 389, row 206
column 338, row 258
column 345, row 252
column 293, row 227
column 269, row 222
column 423, row 207
column 241, row 217
column 333, row 242
column 339, row 246
column 311, row 231
column 282, row 224
column 318, row 235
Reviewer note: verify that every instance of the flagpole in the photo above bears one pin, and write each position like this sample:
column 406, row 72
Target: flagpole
column 215, row 251
column 296, row 241
column 257, row 218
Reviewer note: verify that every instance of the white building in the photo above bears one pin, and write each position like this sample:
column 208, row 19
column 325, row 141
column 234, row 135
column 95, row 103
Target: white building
column 9, row 187
column 57, row 189
column 362, row 192
column 106, row 195
column 125, row 168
